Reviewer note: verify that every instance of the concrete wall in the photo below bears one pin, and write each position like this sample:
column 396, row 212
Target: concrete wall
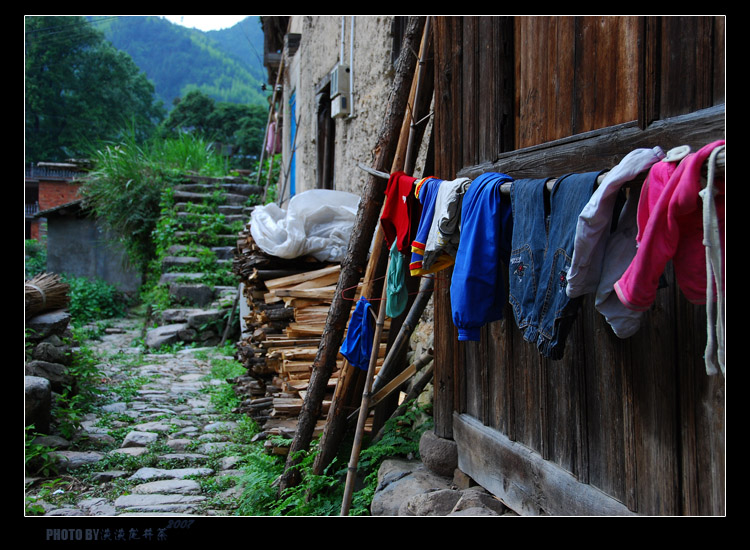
column 372, row 73
column 77, row 246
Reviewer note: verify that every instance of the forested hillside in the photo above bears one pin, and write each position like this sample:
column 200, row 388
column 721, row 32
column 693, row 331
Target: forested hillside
column 226, row 65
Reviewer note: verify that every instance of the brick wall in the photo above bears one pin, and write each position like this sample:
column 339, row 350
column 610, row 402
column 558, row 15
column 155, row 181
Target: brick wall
column 52, row 193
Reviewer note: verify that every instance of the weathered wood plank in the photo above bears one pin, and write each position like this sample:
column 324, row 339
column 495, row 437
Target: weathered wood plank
column 604, row 148
column 522, row 479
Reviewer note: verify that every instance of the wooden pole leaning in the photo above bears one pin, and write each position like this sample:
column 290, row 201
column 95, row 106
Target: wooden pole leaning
column 348, row 389
column 353, row 265
column 364, row 411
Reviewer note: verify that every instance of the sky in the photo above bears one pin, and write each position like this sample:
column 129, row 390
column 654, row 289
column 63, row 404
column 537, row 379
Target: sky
column 206, row 22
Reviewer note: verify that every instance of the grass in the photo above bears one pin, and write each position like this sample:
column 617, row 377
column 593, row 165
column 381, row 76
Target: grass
column 254, row 490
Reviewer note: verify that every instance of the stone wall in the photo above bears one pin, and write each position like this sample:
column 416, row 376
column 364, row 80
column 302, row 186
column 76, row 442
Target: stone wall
column 372, row 72
column 46, row 366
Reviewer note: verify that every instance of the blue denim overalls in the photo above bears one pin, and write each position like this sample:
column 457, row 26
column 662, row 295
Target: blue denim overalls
column 543, row 235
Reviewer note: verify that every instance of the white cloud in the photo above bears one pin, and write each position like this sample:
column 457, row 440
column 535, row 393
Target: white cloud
column 206, row 22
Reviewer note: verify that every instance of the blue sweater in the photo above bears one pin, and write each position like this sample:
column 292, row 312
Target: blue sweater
column 477, row 287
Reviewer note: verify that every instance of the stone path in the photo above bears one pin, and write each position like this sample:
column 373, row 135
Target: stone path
column 171, row 452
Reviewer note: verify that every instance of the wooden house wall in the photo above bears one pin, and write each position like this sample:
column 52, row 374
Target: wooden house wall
column 618, row 425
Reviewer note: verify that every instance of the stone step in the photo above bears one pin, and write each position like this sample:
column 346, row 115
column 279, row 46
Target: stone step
column 228, row 218
column 221, row 252
column 229, row 209
column 173, row 277
column 227, row 198
column 172, row 262
column 218, row 240
column 197, row 294
column 244, row 189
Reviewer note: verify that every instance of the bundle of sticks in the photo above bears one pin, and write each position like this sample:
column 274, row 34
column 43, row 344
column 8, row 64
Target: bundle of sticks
column 45, row 292
column 287, row 303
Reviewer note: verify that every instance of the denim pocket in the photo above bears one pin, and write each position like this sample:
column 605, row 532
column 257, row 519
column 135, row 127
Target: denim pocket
column 522, row 284
column 557, row 298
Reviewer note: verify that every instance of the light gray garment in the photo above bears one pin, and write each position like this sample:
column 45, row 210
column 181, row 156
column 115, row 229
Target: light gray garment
column 601, row 256
column 444, row 234
column 715, row 307
column 595, row 221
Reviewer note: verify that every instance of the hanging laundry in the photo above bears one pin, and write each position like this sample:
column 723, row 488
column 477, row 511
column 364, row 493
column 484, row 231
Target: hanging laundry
column 477, row 285
column 443, row 239
column 670, row 222
column 600, row 254
column 396, row 291
column 273, row 140
column 713, row 239
column 529, row 242
column 397, row 211
column 357, row 345
column 541, row 258
column 426, row 191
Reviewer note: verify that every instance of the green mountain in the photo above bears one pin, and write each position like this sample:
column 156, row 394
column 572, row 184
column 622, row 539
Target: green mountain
column 226, row 65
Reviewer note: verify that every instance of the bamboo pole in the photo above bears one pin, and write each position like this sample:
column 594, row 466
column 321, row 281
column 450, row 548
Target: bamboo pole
column 351, row 472
column 271, row 112
column 353, row 265
column 364, row 409
column 350, row 383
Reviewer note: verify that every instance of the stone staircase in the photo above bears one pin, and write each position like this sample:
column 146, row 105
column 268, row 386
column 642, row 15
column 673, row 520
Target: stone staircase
column 196, row 271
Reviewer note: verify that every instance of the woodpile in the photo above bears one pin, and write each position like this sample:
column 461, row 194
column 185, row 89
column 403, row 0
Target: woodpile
column 287, row 304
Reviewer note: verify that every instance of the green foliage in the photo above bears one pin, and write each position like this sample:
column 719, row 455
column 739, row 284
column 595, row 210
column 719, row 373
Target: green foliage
column 125, row 188
column 77, row 399
column 38, row 457
column 46, row 493
column 196, row 227
column 93, row 300
column 260, row 471
column 322, row 495
column 79, row 89
column 36, row 258
column 239, row 127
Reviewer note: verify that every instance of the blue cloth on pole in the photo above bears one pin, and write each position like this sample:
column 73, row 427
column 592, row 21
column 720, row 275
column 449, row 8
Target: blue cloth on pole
column 357, row 345
column 477, row 286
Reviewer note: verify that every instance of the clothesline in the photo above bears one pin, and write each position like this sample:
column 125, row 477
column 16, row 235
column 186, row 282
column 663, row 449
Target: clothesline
column 603, row 257
column 505, row 188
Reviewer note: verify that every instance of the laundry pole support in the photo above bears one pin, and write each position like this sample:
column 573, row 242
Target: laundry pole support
column 348, row 392
column 353, row 266
column 364, row 411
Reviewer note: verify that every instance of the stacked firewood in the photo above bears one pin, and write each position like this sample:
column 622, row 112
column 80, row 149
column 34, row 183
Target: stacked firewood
column 287, row 307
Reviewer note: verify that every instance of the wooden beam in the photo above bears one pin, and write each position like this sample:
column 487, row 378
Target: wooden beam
column 600, row 149
column 522, row 479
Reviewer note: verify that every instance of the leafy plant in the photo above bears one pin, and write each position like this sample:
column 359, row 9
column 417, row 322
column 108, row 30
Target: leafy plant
column 322, row 494
column 93, row 300
column 35, row 257
column 38, row 457
column 125, row 188
column 47, row 492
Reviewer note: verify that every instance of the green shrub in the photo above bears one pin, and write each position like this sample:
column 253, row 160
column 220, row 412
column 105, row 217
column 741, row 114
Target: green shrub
column 94, row 300
column 124, row 190
column 36, row 258
column 322, row 495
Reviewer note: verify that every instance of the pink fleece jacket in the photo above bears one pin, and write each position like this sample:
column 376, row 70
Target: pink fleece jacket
column 670, row 228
